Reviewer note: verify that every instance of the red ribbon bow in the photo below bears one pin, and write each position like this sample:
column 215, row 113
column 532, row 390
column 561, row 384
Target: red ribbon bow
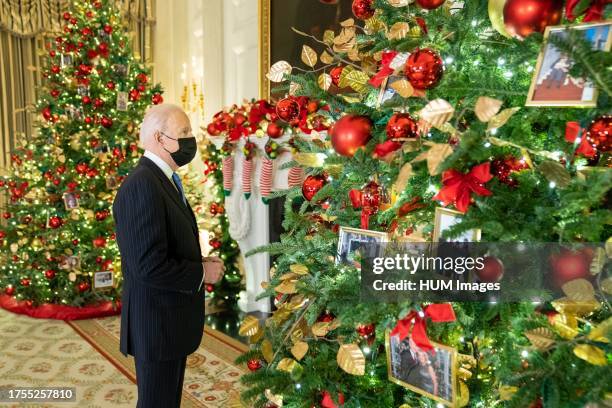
column 385, row 70
column 593, row 12
column 458, row 187
column 438, row 313
column 572, row 130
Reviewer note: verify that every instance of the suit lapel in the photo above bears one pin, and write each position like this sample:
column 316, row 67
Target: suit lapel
column 171, row 191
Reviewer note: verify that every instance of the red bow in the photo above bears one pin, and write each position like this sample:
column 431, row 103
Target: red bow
column 592, row 12
column 458, row 187
column 438, row 313
column 572, row 130
column 385, row 70
column 383, row 149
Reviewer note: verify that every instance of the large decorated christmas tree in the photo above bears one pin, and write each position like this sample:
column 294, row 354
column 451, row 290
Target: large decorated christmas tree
column 57, row 230
column 444, row 104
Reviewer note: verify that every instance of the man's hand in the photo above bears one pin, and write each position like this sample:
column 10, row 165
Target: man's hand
column 213, row 269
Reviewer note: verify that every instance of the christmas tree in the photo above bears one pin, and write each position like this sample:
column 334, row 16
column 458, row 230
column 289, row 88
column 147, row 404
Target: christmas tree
column 58, row 229
column 428, row 100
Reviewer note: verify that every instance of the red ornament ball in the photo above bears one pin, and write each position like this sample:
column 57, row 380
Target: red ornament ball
column 370, row 198
column 424, row 68
column 362, row 9
column 75, row 242
column 83, row 287
column 46, row 112
column 106, row 122
column 366, row 330
column 492, row 271
column 25, row 282
column 67, row 16
column 274, row 130
column 569, row 265
column 335, row 74
column 99, row 242
column 55, row 222
column 254, row 364
column 599, row 133
column 524, row 17
column 108, row 29
column 86, row 100
column 110, row 85
column 312, row 184
column 288, row 109
column 134, row 95
column 210, row 288
column 9, row 290
column 402, row 126
column 49, row 274
column 157, row 99
column 326, row 317
column 504, row 168
column 430, row 4
column 6, row 215
column 350, row 133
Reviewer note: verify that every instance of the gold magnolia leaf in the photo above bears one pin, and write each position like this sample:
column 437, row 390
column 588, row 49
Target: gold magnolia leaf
column 320, row 329
column 579, row 290
column 286, row 364
column 506, row 392
column 275, row 399
column 345, row 47
column 349, row 99
column 486, row 108
column 299, row 269
column 342, row 81
column 349, row 22
column 294, row 87
column 287, row 287
column 602, row 331
column 346, row 36
column 324, row 81
column 566, row 325
column 350, row 358
column 541, row 338
column 591, row 354
column 328, row 37
column 326, row 58
column 598, row 262
column 501, row 118
column 577, row 308
column 463, row 395
column 249, row 326
column 399, row 3
column 555, row 172
column 398, row 31
column 266, row 350
column 299, row 350
column 288, row 275
column 353, row 54
column 402, row 178
column 437, row 112
column 403, row 88
column 606, row 285
column 374, row 25
column 264, row 285
column 436, row 154
column 278, row 71
column 609, row 247
column 357, row 80
column 256, row 337
column 309, row 56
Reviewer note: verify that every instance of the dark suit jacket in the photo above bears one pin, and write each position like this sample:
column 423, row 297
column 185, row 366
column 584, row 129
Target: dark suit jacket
column 162, row 316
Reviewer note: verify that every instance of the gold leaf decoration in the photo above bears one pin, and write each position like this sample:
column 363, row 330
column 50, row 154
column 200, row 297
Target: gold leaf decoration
column 579, row 290
column 357, row 80
column 328, row 37
column 506, row 392
column 486, row 108
column 578, row 308
column 403, row 88
column 274, row 398
column 541, row 338
column 591, row 354
column 309, row 56
column 349, row 22
column 437, row 112
column 566, row 325
column 256, row 337
column 399, row 3
column 350, row 358
column 266, row 350
column 342, row 81
column 299, row 269
column 288, row 275
column 299, row 350
column 402, row 178
column 606, row 285
column 353, row 54
column 598, row 262
column 436, row 154
column 398, row 31
column 324, row 81
column 286, row 287
column 609, row 247
column 278, row 71
column 249, row 326
column 601, row 331
column 374, row 25
column 294, row 87
column 320, row 329
column 326, row 58
column 555, row 172
column 463, row 395
column 286, row 364
column 501, row 118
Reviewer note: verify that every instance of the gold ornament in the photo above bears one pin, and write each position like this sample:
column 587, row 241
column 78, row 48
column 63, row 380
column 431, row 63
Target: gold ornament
column 403, row 88
column 436, row 154
column 309, row 56
column 299, row 269
column 486, row 108
column 541, row 338
column 591, row 354
column 398, row 31
column 299, row 349
column 350, row 358
column 437, row 112
column 266, row 350
column 496, row 15
column 249, row 326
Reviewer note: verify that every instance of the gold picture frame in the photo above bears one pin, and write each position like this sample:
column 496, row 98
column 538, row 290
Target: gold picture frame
column 451, row 401
column 440, row 221
column 546, row 61
column 263, row 12
column 345, row 242
column 100, row 283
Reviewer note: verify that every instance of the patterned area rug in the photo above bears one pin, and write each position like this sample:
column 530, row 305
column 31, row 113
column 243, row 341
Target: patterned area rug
column 48, row 353
column 211, row 377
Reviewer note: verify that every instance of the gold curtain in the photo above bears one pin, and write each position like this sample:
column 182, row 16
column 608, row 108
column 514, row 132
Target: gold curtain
column 25, row 25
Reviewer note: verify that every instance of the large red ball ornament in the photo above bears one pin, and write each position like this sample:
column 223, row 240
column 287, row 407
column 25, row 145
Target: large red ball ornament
column 430, row 4
column 110, row 85
column 599, row 133
column 210, row 288
column 83, row 287
column 46, row 113
column 49, row 274
column 106, row 122
column 157, row 99
column 9, row 290
column 366, row 330
column 402, row 126
column 274, row 130
column 134, row 95
column 25, row 282
column 569, row 265
column 424, row 68
column 287, row 109
column 312, row 185
column 335, row 74
column 362, row 9
column 524, row 17
column 99, row 242
column 350, row 133
column 254, row 364
column 492, row 270
column 55, row 222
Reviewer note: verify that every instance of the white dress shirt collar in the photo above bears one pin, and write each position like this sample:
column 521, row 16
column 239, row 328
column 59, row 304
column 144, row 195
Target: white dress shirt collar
column 165, row 167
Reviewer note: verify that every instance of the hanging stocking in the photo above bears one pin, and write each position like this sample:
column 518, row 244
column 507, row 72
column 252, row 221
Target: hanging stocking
column 247, row 170
column 265, row 179
column 295, row 177
column 228, row 174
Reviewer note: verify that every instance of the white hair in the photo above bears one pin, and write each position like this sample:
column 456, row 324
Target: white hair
column 156, row 119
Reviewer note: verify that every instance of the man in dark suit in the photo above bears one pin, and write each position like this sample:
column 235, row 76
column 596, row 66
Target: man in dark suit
column 162, row 318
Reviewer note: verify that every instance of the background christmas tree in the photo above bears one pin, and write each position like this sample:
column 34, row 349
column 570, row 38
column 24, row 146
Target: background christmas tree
column 90, row 108
column 456, row 132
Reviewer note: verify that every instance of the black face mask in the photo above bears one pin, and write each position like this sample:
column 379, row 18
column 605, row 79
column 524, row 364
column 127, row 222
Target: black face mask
column 186, row 151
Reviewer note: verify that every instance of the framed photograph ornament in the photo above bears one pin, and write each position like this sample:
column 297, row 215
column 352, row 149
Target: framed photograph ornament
column 354, row 244
column 103, row 280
